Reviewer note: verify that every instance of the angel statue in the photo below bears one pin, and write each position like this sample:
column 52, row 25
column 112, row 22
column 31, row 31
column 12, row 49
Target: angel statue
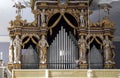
column 82, row 49
column 43, row 44
column 17, row 49
column 108, row 54
column 82, row 18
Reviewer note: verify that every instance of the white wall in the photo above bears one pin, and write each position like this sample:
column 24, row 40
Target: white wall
column 4, row 39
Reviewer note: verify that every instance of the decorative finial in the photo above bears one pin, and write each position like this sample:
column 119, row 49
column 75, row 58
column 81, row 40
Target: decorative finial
column 106, row 8
column 19, row 6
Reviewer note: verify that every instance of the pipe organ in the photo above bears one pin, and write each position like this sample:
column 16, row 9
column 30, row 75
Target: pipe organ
column 63, row 51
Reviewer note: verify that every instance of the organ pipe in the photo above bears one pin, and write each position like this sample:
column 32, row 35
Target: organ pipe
column 59, row 50
column 57, row 58
column 62, row 51
column 68, row 51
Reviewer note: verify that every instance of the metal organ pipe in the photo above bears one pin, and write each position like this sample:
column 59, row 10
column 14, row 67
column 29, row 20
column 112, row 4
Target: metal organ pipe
column 62, row 51
column 68, row 52
column 57, row 52
column 50, row 57
column 71, row 58
column 54, row 54
column 48, row 53
column 54, row 51
column 71, row 54
column 74, row 57
column 66, row 49
column 74, row 54
column 61, row 47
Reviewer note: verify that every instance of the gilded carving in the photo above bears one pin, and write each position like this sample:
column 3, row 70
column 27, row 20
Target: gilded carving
column 36, row 13
column 82, row 18
column 108, row 54
column 82, row 44
column 17, row 49
column 90, row 23
column 44, row 11
column 107, row 22
column 43, row 44
column 18, row 22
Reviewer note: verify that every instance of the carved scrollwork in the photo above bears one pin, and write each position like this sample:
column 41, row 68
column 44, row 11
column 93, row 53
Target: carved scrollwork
column 30, row 35
column 74, row 13
column 24, row 35
column 50, row 13
column 107, row 22
column 18, row 22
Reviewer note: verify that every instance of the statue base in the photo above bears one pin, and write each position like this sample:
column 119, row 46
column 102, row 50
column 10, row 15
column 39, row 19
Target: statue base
column 43, row 66
column 44, row 25
column 83, row 66
column 14, row 66
column 10, row 67
column 17, row 66
column 109, row 66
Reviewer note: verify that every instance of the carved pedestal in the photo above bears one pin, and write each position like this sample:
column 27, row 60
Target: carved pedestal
column 17, row 66
column 42, row 66
column 83, row 66
column 14, row 66
column 109, row 66
column 10, row 67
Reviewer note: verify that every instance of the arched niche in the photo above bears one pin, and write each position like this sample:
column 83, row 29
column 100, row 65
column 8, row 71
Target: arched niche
column 62, row 22
column 61, row 42
column 95, row 53
column 30, row 52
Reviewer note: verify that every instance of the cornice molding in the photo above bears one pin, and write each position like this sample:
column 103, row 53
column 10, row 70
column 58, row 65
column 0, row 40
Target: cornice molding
column 7, row 39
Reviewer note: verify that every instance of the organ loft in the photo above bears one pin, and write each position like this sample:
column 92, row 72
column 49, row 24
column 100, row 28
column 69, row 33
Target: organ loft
column 62, row 36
